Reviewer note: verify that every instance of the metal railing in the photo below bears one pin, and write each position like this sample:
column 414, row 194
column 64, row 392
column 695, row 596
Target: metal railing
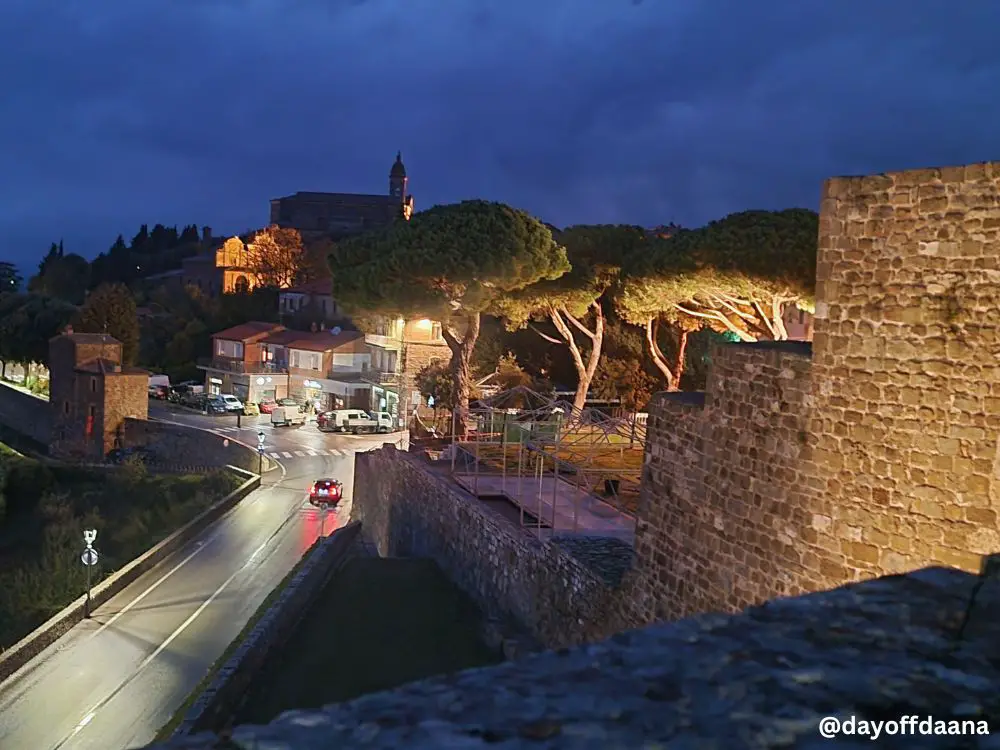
column 241, row 367
column 382, row 377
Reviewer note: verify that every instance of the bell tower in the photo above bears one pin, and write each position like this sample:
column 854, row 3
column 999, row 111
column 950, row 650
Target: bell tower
column 397, row 179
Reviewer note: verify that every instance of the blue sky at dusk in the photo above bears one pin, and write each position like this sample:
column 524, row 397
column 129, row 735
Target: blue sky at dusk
column 640, row 111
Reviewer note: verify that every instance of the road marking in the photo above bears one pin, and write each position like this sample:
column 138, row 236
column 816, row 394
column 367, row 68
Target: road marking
column 300, row 454
column 286, row 454
column 312, row 453
column 274, row 455
column 89, row 716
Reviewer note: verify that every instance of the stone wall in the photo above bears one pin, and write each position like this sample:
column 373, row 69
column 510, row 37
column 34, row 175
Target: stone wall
column 561, row 593
column 922, row 645
column 417, row 356
column 180, row 445
column 25, row 414
column 875, row 455
column 223, row 697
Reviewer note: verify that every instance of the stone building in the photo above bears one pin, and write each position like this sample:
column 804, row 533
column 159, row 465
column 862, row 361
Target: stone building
column 91, row 394
column 342, row 214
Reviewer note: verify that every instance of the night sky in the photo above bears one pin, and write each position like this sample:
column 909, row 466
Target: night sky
column 119, row 112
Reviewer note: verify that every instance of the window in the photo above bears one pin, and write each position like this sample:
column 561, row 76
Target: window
column 93, row 384
column 293, row 358
column 314, row 361
column 92, row 411
column 65, row 407
column 436, row 331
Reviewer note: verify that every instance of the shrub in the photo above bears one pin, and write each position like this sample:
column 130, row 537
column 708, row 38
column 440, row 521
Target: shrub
column 26, row 481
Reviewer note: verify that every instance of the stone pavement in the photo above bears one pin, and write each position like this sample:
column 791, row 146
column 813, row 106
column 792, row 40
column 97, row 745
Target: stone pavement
column 925, row 644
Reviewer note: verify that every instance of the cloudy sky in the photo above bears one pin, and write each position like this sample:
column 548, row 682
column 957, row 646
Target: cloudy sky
column 119, row 112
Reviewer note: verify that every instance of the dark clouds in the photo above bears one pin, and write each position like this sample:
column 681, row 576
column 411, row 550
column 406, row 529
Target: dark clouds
column 116, row 113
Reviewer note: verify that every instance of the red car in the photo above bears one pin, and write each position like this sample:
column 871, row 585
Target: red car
column 267, row 405
column 326, row 491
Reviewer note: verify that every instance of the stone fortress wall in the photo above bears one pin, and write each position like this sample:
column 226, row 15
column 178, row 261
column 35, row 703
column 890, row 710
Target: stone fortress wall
column 878, row 451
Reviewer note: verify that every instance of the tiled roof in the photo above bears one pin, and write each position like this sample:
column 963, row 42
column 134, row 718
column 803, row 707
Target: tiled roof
column 245, row 331
column 320, row 341
column 320, row 286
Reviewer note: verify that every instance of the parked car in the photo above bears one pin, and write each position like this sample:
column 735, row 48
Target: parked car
column 287, row 415
column 250, row 409
column 212, row 404
column 355, row 421
column 159, row 392
column 139, row 453
column 326, row 492
column 231, row 403
column 267, row 405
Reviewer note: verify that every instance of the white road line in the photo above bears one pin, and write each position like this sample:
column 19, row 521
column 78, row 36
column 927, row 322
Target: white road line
column 286, row 454
column 170, row 639
column 300, row 454
column 274, row 455
column 311, row 453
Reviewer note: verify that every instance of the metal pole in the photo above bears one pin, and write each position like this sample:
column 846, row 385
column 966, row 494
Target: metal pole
column 260, row 463
column 503, row 447
column 454, row 445
column 520, row 474
column 555, row 470
column 475, row 478
column 540, row 468
column 86, row 604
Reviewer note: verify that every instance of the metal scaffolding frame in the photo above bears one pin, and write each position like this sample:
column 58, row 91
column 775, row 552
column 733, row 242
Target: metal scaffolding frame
column 567, row 470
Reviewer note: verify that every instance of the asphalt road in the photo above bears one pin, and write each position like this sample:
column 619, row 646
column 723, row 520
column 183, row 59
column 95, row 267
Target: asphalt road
column 113, row 681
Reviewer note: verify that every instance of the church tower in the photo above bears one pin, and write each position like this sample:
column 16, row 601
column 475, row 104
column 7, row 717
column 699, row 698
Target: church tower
column 397, row 179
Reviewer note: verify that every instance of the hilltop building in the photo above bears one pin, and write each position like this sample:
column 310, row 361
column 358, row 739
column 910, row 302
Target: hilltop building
column 343, row 214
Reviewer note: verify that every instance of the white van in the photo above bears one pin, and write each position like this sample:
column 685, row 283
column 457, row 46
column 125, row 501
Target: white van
column 355, row 421
column 287, row 416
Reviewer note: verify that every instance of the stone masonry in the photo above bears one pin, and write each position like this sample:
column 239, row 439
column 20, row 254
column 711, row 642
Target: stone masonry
column 878, row 452
column 555, row 593
column 922, row 645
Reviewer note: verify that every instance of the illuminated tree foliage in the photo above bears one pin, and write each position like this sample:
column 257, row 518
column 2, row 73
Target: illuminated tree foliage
column 451, row 263
column 571, row 303
column 275, row 257
column 111, row 309
column 736, row 276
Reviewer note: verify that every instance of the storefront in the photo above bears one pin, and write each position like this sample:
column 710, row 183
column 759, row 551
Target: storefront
column 214, row 386
column 384, row 399
column 313, row 393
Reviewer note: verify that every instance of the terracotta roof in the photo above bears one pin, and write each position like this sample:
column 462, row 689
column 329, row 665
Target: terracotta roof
column 320, row 286
column 88, row 338
column 321, row 341
column 245, row 331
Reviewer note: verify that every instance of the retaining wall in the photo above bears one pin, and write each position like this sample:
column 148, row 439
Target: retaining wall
column 191, row 448
column 224, row 695
column 25, row 415
column 561, row 592
column 44, row 636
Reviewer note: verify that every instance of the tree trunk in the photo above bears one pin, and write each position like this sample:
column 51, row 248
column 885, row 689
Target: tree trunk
column 671, row 374
column 584, row 370
column 462, row 344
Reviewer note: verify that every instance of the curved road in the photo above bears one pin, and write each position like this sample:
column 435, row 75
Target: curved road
column 113, row 681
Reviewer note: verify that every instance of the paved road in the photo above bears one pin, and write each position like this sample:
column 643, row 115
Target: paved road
column 112, row 682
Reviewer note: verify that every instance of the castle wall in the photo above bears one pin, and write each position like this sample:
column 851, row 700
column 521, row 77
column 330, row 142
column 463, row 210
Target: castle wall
column 880, row 454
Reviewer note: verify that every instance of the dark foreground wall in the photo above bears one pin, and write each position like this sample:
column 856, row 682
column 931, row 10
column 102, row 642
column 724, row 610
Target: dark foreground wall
column 562, row 593
column 852, row 662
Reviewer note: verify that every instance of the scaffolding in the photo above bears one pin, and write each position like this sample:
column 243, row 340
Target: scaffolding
column 561, row 470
